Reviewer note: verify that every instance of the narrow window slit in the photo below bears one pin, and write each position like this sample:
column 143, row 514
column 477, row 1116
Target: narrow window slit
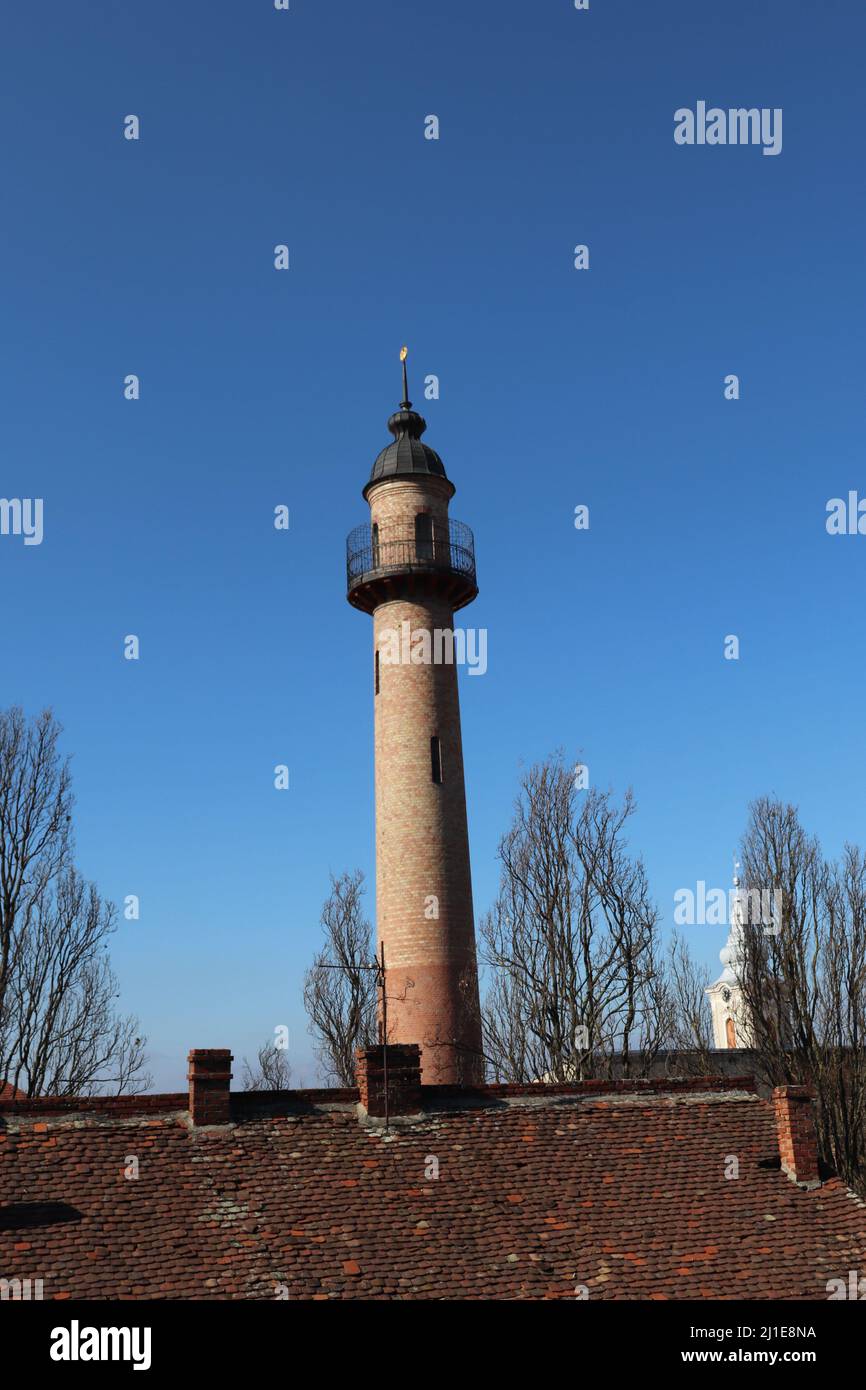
column 436, row 759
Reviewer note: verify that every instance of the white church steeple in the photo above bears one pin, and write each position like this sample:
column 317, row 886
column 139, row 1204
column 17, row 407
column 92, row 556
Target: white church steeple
column 731, row 1024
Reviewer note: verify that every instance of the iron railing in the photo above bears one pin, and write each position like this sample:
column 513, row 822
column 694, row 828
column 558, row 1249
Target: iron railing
column 367, row 557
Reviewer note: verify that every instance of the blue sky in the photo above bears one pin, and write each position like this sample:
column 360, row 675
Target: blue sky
column 558, row 387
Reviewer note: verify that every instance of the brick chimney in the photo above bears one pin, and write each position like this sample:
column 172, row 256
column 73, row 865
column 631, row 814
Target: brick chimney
column 798, row 1139
column 209, row 1078
column 403, row 1064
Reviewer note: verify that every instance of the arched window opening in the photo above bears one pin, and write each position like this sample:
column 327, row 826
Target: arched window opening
column 424, row 536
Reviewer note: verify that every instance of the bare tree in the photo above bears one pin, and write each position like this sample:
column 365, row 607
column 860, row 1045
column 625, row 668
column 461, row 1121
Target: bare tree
column 272, row 1071
column 59, row 1032
column 339, row 987
column 571, row 941
column 803, row 975
column 689, row 1023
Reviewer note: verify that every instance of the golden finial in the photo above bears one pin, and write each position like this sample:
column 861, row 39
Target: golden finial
column 406, row 403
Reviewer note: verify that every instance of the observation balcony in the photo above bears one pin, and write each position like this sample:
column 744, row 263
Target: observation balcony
column 400, row 565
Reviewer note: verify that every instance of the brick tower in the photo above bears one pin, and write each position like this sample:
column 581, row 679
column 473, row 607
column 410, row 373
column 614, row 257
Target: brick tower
column 412, row 567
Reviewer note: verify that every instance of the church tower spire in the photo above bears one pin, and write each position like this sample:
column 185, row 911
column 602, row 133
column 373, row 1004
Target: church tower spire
column 731, row 1025
column 412, row 567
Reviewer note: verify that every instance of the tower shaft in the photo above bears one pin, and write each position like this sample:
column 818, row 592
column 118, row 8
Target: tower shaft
column 423, row 880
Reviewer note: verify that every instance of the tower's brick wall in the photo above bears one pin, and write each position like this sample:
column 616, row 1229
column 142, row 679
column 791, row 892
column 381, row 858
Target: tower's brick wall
column 423, row 881
column 395, row 503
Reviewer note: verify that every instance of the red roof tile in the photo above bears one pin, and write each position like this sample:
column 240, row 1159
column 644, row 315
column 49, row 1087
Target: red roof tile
column 624, row 1193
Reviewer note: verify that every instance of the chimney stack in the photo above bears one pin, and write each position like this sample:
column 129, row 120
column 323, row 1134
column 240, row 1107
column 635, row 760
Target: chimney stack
column 798, row 1139
column 402, row 1061
column 209, row 1080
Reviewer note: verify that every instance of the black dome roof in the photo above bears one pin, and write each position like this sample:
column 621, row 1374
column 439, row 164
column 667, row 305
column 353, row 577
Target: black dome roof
column 407, row 456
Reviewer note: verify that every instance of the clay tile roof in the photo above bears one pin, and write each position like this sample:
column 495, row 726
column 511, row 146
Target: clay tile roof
column 539, row 1191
